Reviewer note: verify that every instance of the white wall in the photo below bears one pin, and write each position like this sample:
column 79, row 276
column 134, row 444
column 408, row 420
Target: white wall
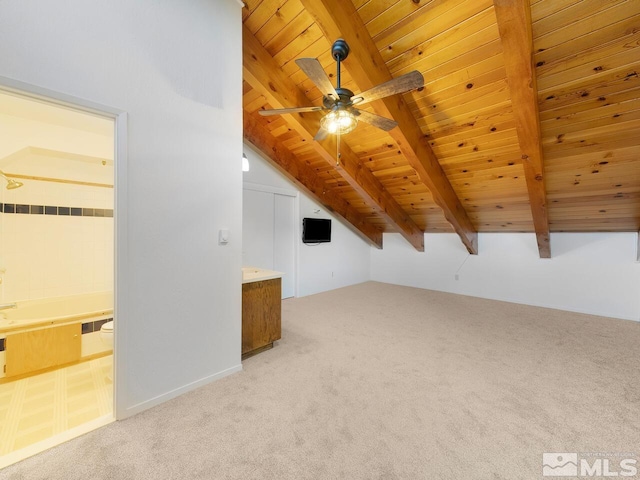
column 592, row 273
column 344, row 261
column 175, row 68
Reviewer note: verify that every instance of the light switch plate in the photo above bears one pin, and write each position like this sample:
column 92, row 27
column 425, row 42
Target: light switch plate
column 223, row 236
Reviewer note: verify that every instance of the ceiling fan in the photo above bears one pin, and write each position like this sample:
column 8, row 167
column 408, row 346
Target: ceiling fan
column 342, row 116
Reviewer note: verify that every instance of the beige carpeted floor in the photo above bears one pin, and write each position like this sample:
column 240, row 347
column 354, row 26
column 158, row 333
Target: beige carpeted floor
column 381, row 381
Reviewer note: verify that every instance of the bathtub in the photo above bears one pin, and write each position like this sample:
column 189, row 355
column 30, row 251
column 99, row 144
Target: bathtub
column 57, row 310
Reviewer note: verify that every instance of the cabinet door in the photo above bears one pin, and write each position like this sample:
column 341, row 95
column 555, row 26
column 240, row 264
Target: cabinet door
column 261, row 309
column 45, row 348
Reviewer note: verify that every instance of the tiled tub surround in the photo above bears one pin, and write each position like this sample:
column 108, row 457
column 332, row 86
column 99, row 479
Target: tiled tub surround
column 90, row 310
column 56, row 239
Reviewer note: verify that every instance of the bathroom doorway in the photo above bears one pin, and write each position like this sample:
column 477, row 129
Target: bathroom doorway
column 56, row 273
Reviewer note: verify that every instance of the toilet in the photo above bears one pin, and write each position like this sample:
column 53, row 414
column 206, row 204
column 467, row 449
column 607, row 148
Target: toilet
column 106, row 335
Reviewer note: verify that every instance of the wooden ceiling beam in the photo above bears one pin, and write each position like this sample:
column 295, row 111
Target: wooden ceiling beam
column 262, row 72
column 307, row 180
column 339, row 19
column 514, row 24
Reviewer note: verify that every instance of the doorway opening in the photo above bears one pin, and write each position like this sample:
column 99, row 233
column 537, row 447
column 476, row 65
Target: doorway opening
column 57, row 253
column 269, row 232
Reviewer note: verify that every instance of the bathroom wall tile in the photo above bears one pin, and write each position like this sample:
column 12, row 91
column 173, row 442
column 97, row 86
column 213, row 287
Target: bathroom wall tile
column 37, row 209
column 97, row 325
column 75, row 266
column 9, row 196
column 87, row 328
column 2, row 344
column 23, row 209
column 88, row 229
column 87, row 212
column 59, row 291
column 25, row 224
column 87, row 259
column 72, row 228
column 86, row 197
column 35, row 294
column 17, row 277
column 8, row 290
column 50, row 210
column 39, row 198
column 36, row 272
column 9, row 208
column 8, row 243
column 55, row 194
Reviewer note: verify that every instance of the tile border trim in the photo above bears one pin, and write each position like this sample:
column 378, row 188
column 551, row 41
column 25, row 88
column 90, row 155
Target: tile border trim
column 21, row 208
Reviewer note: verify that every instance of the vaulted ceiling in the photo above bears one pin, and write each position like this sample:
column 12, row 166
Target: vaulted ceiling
column 528, row 120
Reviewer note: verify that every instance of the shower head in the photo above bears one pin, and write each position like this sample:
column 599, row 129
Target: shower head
column 11, row 183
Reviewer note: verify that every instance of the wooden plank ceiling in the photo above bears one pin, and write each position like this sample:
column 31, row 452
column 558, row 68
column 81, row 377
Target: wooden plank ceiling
column 528, row 121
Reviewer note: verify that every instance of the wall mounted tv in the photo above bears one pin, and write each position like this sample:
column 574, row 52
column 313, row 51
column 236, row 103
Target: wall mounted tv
column 316, row 230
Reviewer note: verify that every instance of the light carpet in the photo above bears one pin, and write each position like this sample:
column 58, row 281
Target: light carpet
column 390, row 382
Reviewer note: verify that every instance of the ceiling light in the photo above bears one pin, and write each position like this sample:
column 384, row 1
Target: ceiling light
column 245, row 163
column 339, row 121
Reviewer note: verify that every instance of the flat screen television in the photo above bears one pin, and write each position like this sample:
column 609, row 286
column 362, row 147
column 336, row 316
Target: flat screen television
column 316, row 230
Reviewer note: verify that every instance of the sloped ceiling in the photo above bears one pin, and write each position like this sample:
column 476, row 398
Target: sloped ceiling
column 527, row 121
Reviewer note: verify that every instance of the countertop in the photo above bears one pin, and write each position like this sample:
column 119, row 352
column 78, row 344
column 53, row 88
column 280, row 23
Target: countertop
column 252, row 274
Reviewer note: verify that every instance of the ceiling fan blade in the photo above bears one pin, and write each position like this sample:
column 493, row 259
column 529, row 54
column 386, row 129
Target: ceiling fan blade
column 281, row 111
column 382, row 123
column 403, row 83
column 321, row 135
column 312, row 68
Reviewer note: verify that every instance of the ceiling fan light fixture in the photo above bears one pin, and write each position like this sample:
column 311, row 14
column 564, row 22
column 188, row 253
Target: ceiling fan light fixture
column 339, row 121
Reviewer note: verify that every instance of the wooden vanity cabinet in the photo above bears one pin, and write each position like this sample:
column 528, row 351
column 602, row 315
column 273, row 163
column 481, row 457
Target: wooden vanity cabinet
column 261, row 313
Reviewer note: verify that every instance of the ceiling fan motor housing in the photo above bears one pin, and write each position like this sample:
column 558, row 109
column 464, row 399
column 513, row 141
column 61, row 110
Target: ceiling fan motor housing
column 340, row 49
column 343, row 101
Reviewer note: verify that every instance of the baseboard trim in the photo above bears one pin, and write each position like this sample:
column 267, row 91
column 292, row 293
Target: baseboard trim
column 121, row 414
column 564, row 308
